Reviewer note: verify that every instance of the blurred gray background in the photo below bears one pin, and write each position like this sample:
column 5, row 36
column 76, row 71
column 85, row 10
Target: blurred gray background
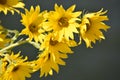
column 99, row 63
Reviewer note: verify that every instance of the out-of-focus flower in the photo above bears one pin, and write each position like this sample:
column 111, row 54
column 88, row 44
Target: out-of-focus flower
column 32, row 20
column 63, row 22
column 91, row 26
column 3, row 39
column 10, row 5
column 15, row 68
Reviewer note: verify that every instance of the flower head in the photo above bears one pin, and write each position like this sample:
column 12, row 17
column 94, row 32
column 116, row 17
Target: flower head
column 91, row 26
column 32, row 20
column 10, row 5
column 52, row 45
column 63, row 22
column 3, row 39
column 15, row 68
column 48, row 62
column 52, row 55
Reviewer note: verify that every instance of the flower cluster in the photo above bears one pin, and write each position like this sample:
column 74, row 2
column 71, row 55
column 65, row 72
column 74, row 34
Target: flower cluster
column 51, row 32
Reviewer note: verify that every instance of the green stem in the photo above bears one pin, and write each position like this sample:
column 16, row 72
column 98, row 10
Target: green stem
column 13, row 45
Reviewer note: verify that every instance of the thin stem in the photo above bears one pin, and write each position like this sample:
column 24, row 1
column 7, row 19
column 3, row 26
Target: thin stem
column 13, row 45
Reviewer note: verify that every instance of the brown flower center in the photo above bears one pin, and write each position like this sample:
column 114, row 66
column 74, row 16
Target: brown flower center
column 3, row 2
column 63, row 22
column 15, row 68
column 33, row 28
column 49, row 56
column 53, row 42
column 88, row 24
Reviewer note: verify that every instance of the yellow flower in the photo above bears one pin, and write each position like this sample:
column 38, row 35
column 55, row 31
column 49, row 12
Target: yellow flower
column 15, row 68
column 51, row 44
column 48, row 62
column 63, row 22
column 17, row 71
column 3, row 39
column 52, row 55
column 5, row 61
column 32, row 20
column 10, row 5
column 91, row 26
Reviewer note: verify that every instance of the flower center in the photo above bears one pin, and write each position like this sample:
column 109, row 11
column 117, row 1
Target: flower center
column 15, row 68
column 63, row 22
column 3, row 2
column 88, row 24
column 49, row 56
column 53, row 42
column 33, row 28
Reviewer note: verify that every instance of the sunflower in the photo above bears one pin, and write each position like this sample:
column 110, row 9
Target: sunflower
column 17, row 71
column 32, row 20
column 52, row 55
column 63, row 22
column 91, row 26
column 10, row 5
column 15, row 68
column 50, row 43
column 3, row 39
column 48, row 62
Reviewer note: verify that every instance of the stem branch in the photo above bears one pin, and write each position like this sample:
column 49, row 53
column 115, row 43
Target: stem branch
column 13, row 45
